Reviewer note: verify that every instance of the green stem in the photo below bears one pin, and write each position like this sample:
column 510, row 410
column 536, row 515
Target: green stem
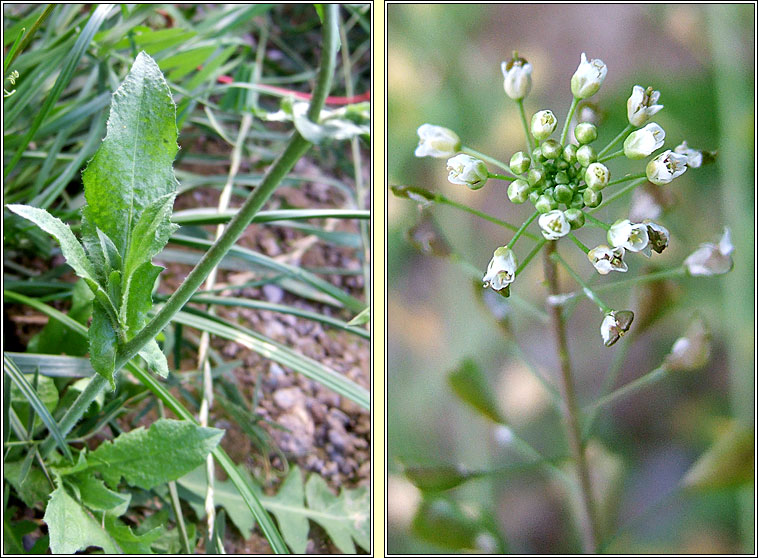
column 501, row 176
column 585, row 287
column 641, row 382
column 657, row 276
column 522, row 113
column 522, row 229
column 488, row 159
column 529, row 256
column 597, row 222
column 569, row 118
column 579, row 243
column 618, row 194
column 627, row 178
column 615, row 140
column 613, row 155
column 295, row 149
column 590, row 534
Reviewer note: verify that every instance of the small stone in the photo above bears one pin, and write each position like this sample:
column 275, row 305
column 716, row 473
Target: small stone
column 273, row 293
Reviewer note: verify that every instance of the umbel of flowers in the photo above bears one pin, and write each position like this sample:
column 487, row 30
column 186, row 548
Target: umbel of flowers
column 566, row 179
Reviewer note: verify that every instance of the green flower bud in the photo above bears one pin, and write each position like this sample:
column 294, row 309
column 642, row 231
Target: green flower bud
column 586, row 155
column 560, row 164
column 577, row 201
column 518, row 191
column 545, row 203
column 536, row 178
column 534, row 195
column 537, row 155
column 561, row 177
column 551, row 149
column 569, row 153
column 585, row 132
column 563, row 194
column 520, row 162
column 467, row 170
column 597, row 176
column 588, row 77
column 543, row 124
column 575, row 217
column 592, row 198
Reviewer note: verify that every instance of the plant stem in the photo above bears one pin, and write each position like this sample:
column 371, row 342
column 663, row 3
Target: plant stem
column 571, row 411
column 620, row 193
column 485, row 216
column 522, row 228
column 615, row 140
column 579, row 243
column 649, row 378
column 613, row 155
column 500, row 176
column 522, row 113
column 569, row 118
column 627, row 178
column 585, row 287
column 531, row 255
column 488, row 159
column 597, row 222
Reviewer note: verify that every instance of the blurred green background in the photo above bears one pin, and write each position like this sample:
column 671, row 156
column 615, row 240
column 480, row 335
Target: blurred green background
column 444, row 68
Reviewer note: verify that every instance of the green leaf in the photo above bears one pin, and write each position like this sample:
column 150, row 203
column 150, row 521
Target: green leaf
column 443, row 522
column 345, row 517
column 437, row 478
column 470, row 385
column 147, row 458
column 729, row 462
column 70, row 247
column 138, row 298
column 155, row 358
column 46, row 393
column 133, row 166
column 294, row 527
column 102, row 344
column 96, row 496
column 151, row 233
column 72, row 528
column 363, row 317
column 33, row 489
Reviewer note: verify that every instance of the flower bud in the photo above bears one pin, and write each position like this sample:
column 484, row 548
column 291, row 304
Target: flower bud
column 592, row 197
column 569, row 153
column 518, row 191
column 577, row 201
column 551, row 149
column 520, row 162
column 588, row 77
column 615, row 324
column 585, row 132
column 712, row 259
column 666, row 167
column 464, row 169
column 658, row 235
column 563, row 194
column 575, row 217
column 436, row 141
column 694, row 157
column 632, row 237
column 545, row 203
column 517, row 77
column 501, row 271
column 597, row 176
column 641, row 105
column 561, row 177
column 536, row 178
column 537, row 155
column 585, row 155
column 543, row 124
column 643, row 142
column 607, row 259
column 534, row 197
column 554, row 225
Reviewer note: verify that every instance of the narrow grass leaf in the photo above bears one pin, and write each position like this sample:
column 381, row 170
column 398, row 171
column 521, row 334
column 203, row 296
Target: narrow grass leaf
column 471, row 386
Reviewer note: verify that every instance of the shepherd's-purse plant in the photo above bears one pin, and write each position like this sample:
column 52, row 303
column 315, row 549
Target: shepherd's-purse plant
column 567, row 180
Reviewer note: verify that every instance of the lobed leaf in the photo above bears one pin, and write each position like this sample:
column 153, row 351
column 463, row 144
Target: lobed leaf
column 102, row 344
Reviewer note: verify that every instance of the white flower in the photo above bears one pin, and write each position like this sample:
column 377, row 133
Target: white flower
column 607, row 259
column 694, row 157
column 436, row 141
column 643, row 142
column 632, row 237
column 658, row 235
column 597, row 176
column 501, row 271
column 543, row 124
column 614, row 325
column 712, row 259
column 641, row 105
column 467, row 170
column 666, row 167
column 588, row 77
column 517, row 78
column 690, row 351
column 554, row 224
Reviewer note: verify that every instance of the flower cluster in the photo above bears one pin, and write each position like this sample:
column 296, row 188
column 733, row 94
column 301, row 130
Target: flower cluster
column 566, row 180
